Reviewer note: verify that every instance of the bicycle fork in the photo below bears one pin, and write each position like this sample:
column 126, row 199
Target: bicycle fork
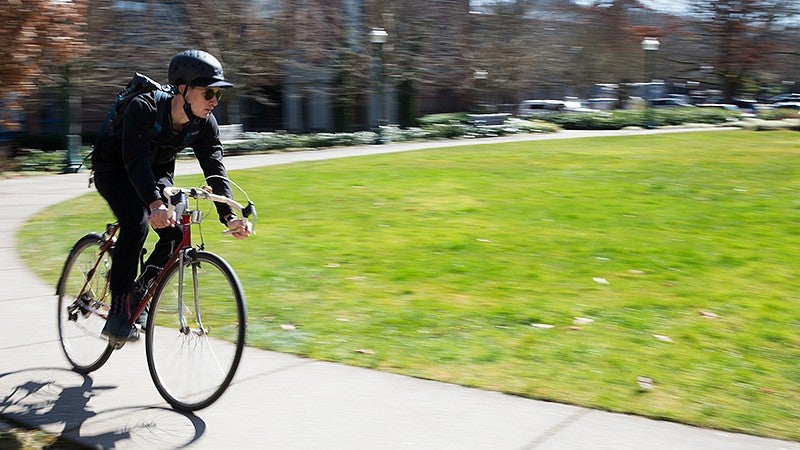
column 184, row 326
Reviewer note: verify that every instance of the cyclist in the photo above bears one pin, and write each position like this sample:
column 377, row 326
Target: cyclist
column 135, row 160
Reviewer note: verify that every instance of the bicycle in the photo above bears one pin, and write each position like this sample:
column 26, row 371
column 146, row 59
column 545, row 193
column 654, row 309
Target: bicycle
column 195, row 331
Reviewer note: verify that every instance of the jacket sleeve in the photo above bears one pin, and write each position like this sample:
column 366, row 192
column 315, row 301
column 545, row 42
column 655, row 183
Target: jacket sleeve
column 208, row 150
column 137, row 148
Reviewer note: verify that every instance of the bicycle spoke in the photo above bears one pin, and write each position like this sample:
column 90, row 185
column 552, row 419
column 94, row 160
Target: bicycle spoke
column 190, row 362
column 81, row 312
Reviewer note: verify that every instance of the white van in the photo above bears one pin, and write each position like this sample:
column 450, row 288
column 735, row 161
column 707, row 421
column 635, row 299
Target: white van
column 534, row 107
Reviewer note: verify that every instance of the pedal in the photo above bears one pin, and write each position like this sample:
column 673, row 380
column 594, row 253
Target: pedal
column 117, row 343
column 72, row 310
column 83, row 303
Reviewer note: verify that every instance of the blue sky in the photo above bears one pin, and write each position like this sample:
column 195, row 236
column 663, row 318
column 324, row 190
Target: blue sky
column 661, row 5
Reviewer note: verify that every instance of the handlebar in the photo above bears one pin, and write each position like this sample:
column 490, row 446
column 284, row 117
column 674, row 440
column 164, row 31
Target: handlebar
column 174, row 194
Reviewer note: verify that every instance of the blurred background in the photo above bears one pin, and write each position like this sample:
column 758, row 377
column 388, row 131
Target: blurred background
column 346, row 65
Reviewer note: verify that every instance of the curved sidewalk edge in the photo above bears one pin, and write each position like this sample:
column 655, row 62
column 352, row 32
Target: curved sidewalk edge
column 278, row 400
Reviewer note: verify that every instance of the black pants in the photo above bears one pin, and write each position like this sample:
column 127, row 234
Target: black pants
column 132, row 215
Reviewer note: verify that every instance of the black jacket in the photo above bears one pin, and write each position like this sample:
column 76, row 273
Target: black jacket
column 144, row 144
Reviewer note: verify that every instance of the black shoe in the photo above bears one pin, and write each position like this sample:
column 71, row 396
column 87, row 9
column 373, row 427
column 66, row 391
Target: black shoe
column 146, row 279
column 84, row 303
column 118, row 329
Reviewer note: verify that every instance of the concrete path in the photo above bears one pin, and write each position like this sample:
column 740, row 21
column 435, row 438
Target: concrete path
column 277, row 400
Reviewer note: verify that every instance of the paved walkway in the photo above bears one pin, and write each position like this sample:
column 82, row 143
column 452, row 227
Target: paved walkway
column 277, row 400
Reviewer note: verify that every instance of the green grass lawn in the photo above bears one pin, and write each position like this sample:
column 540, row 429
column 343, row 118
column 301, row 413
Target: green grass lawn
column 558, row 270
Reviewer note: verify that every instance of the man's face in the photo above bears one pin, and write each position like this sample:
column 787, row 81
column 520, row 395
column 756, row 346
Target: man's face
column 203, row 99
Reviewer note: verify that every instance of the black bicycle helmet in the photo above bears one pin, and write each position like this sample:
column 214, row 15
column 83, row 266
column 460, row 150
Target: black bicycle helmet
column 197, row 68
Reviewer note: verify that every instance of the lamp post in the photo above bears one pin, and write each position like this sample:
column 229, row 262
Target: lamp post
column 72, row 126
column 708, row 71
column 650, row 47
column 480, row 80
column 379, row 36
column 577, row 71
column 73, row 160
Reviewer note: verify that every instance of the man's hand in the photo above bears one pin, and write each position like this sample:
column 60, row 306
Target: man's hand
column 160, row 216
column 239, row 228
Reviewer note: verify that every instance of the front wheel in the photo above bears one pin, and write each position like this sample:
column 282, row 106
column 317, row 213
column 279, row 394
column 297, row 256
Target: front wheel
column 196, row 331
column 83, row 303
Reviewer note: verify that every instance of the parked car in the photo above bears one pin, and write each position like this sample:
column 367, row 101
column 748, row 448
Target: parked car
column 669, row 103
column 795, row 105
column 682, row 97
column 725, row 106
column 785, row 97
column 728, row 107
column 537, row 107
column 603, row 103
column 745, row 104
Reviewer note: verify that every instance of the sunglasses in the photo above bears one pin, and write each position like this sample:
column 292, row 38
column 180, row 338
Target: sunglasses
column 210, row 93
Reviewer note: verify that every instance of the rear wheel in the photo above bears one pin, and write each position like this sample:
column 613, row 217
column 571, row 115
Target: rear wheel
column 83, row 303
column 196, row 331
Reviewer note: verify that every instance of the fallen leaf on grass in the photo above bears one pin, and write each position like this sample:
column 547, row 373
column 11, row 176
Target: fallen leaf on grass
column 662, row 338
column 364, row 351
column 582, row 321
column 645, row 383
column 543, row 326
column 288, row 327
column 708, row 314
column 600, row 280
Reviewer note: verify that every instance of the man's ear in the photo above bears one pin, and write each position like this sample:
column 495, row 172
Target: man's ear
column 182, row 89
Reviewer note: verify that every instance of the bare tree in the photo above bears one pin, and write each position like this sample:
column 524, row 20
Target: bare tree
column 125, row 38
column 512, row 46
column 320, row 49
column 41, row 40
column 742, row 38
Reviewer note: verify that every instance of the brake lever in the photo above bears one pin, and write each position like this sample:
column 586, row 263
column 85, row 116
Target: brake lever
column 250, row 210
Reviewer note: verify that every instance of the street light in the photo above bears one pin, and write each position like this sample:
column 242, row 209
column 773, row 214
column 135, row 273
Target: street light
column 707, row 71
column 650, row 46
column 577, row 71
column 480, row 80
column 379, row 36
column 650, row 43
column 73, row 161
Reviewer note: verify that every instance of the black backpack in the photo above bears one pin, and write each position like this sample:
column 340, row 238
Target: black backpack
column 139, row 84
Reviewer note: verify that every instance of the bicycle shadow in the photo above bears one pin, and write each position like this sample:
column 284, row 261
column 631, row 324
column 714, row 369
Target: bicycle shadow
column 57, row 401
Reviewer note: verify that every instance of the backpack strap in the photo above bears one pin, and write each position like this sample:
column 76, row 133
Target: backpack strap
column 159, row 96
column 109, row 116
column 162, row 108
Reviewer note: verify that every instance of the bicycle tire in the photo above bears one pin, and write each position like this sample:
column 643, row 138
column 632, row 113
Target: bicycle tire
column 79, row 325
column 191, row 368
